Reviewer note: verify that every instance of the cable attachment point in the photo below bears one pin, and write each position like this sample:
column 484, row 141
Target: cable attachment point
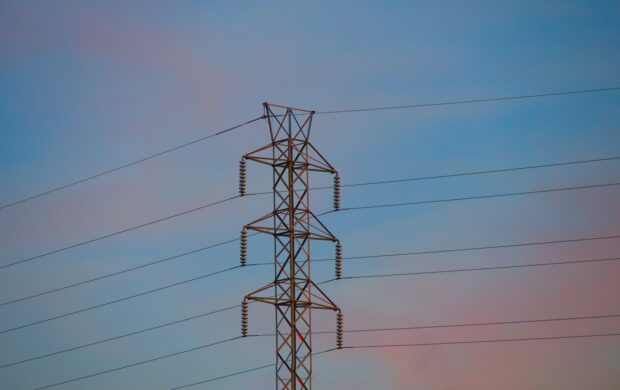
column 338, row 260
column 336, row 192
column 244, row 318
column 244, row 247
column 339, row 330
column 242, row 176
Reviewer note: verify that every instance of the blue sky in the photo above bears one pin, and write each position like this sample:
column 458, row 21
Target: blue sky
column 91, row 85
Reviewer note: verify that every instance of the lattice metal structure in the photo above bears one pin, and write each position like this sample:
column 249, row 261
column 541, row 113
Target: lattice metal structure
column 293, row 226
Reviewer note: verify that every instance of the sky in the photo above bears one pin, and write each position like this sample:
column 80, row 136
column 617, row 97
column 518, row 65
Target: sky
column 88, row 86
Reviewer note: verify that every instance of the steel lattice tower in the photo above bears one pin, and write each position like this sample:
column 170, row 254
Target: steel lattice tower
column 293, row 226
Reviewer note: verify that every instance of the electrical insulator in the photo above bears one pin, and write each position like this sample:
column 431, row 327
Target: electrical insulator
column 244, row 318
column 242, row 177
column 336, row 192
column 338, row 260
column 244, row 247
column 339, row 330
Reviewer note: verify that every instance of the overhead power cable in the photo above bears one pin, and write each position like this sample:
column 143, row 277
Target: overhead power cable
column 90, row 241
column 217, row 378
column 140, row 363
column 465, row 249
column 367, row 330
column 467, row 101
column 407, row 345
column 324, row 282
column 329, row 350
column 262, row 193
column 464, row 325
column 379, row 255
column 127, row 165
column 238, row 373
column 264, row 264
column 213, row 312
column 122, row 231
column 90, row 344
column 497, row 267
column 548, row 190
column 474, row 173
column 359, row 257
column 482, row 341
column 346, row 277
column 325, row 112
column 457, row 325
column 156, row 359
column 460, row 174
column 115, row 273
column 118, row 300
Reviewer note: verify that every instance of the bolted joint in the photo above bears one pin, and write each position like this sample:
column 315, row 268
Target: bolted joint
column 339, row 330
column 244, row 247
column 338, row 260
column 336, row 192
column 242, row 177
column 244, row 318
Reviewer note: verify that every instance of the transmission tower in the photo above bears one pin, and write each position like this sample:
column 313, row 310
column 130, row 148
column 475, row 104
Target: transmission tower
column 293, row 226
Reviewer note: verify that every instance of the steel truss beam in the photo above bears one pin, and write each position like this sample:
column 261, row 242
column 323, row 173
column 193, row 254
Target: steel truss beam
column 293, row 226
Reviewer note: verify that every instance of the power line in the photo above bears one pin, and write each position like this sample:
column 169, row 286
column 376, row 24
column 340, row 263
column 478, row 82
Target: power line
column 359, row 257
column 459, row 325
column 473, row 173
column 90, row 344
column 482, row 341
column 73, row 246
column 462, row 325
column 455, row 102
column 408, row 345
column 118, row 300
column 175, row 148
column 344, row 347
column 164, row 357
column 228, row 241
column 327, row 281
column 224, row 376
column 460, row 174
column 127, row 165
column 149, row 157
column 475, row 248
column 497, row 267
column 381, row 255
column 435, row 326
column 350, row 347
column 140, row 363
column 475, row 197
column 346, row 277
column 83, row 282
column 238, row 373
column 27, row 259
column 348, row 185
